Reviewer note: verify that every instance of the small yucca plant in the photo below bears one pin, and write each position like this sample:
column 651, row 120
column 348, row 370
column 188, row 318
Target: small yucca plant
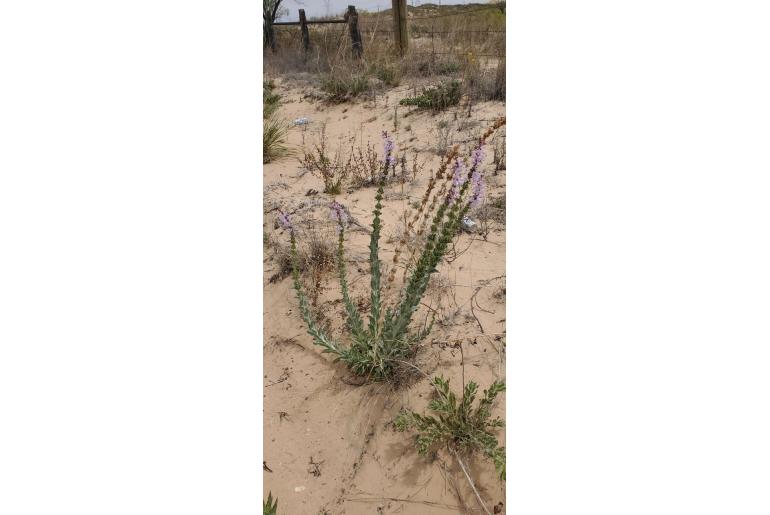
column 385, row 341
column 270, row 506
column 459, row 425
column 274, row 139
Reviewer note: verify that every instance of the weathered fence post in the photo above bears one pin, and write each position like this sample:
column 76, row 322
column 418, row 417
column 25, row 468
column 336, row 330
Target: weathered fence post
column 305, row 33
column 399, row 26
column 355, row 35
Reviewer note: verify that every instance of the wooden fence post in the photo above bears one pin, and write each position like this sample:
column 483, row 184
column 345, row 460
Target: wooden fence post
column 305, row 33
column 355, row 35
column 399, row 26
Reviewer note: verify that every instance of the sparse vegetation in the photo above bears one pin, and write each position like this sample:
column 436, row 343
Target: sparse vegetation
column 374, row 305
column 387, row 73
column 491, row 214
column 340, row 89
column 445, row 41
column 329, row 168
column 459, row 425
column 358, row 168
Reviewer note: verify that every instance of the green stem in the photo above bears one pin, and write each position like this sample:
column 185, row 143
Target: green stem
column 354, row 318
column 374, row 261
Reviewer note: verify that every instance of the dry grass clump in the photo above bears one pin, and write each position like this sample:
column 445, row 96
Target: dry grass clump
column 484, row 82
column 490, row 215
column 340, row 89
column 315, row 258
column 443, row 133
column 329, row 167
column 388, row 73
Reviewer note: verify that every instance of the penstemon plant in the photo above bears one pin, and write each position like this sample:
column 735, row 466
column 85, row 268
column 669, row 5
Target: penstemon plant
column 383, row 342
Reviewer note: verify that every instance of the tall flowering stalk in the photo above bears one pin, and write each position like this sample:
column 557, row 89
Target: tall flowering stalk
column 376, row 349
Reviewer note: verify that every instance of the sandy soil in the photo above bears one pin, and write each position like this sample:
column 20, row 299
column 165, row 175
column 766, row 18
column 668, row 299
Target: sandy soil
column 329, row 444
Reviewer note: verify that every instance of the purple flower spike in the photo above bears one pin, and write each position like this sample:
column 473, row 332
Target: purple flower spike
column 477, row 157
column 458, row 179
column 283, row 219
column 388, row 147
column 338, row 213
column 479, row 188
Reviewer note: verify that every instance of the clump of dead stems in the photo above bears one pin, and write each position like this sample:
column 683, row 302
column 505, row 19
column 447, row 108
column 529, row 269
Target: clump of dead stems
column 360, row 167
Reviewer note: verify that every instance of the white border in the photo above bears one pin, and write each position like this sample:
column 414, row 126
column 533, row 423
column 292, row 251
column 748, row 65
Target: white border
column 638, row 250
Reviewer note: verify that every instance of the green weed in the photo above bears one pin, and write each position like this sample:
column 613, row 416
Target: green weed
column 458, row 424
column 436, row 98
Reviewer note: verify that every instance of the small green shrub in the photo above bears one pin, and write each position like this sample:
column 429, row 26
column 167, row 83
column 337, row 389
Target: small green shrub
column 458, row 424
column 339, row 89
column 436, row 98
column 270, row 506
column 274, row 136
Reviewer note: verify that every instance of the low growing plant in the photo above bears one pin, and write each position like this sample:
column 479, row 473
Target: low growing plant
column 459, row 425
column 381, row 344
column 436, row 98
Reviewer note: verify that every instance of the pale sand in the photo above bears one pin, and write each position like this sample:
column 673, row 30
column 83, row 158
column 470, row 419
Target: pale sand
column 365, row 466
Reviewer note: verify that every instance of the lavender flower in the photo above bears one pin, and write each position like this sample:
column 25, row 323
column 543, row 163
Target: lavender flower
column 389, row 146
column 478, row 189
column 283, row 219
column 338, row 214
column 477, row 156
column 458, row 179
